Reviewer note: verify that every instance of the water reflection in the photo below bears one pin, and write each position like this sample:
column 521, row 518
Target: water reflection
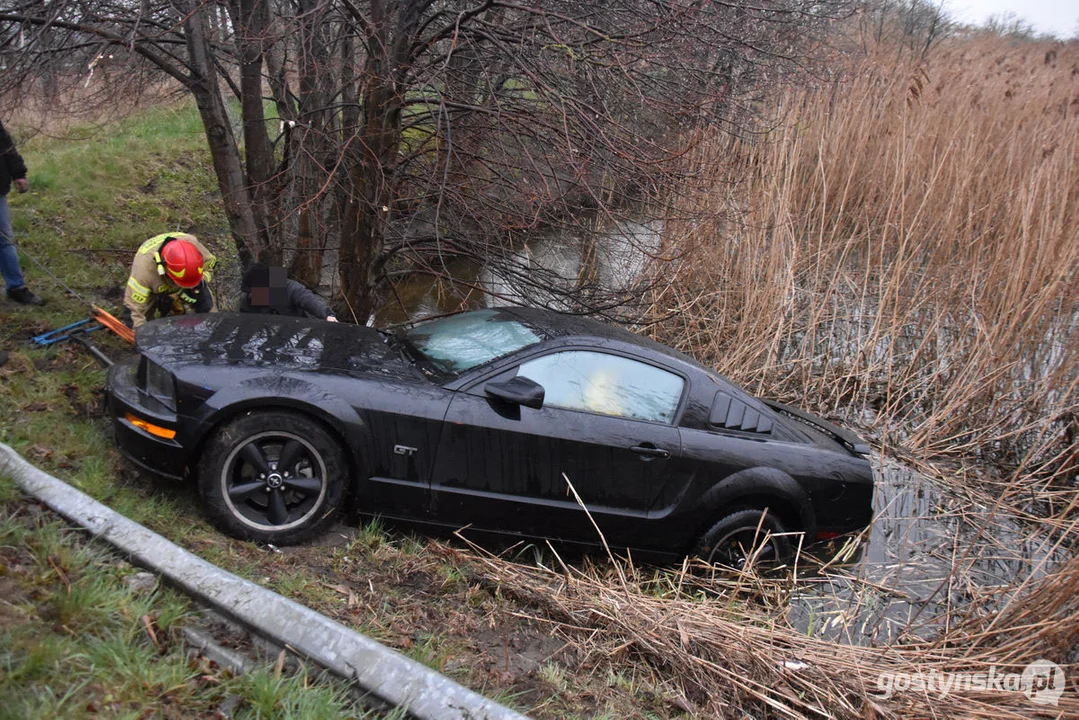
column 929, row 554
column 544, row 267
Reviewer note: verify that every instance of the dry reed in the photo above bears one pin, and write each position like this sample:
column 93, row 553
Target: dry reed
column 903, row 249
column 721, row 652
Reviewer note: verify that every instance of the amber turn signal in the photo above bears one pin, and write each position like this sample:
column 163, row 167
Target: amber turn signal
column 155, row 430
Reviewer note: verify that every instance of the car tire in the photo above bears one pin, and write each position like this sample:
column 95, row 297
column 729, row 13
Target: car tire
column 730, row 539
column 274, row 477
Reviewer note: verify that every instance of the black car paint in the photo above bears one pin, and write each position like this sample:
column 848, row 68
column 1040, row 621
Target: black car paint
column 439, row 449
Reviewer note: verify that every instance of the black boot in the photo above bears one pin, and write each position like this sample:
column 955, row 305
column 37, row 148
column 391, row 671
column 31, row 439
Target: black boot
column 24, row 296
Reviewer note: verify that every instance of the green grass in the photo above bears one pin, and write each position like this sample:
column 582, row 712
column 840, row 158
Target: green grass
column 95, row 198
column 66, row 651
column 74, row 639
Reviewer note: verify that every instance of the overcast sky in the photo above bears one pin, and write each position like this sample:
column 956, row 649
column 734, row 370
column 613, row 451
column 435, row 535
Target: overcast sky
column 1056, row 17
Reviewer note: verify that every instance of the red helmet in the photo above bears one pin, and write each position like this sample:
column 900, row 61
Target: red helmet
column 183, row 263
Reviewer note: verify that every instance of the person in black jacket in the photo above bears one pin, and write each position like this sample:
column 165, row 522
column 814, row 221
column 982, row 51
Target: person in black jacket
column 266, row 289
column 12, row 170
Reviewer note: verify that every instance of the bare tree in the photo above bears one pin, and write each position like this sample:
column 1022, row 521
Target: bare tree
column 916, row 25
column 414, row 131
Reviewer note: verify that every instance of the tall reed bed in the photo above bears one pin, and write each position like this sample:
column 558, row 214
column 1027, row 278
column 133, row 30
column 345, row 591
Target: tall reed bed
column 903, row 244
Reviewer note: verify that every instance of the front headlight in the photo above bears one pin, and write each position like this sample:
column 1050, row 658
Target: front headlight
column 157, row 383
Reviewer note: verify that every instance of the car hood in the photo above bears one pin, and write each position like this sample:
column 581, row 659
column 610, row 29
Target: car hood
column 269, row 341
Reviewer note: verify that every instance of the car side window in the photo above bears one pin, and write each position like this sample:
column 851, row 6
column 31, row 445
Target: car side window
column 606, row 384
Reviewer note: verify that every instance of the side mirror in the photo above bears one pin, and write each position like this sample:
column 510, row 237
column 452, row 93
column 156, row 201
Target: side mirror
column 517, row 391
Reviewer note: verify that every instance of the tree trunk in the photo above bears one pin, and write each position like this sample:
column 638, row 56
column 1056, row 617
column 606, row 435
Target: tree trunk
column 373, row 174
column 350, row 125
column 204, row 86
column 317, row 78
column 251, row 21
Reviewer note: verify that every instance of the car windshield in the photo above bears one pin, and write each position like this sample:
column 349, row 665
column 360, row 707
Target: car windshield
column 462, row 342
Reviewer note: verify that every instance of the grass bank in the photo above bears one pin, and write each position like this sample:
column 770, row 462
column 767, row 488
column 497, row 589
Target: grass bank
column 82, row 634
column 75, row 637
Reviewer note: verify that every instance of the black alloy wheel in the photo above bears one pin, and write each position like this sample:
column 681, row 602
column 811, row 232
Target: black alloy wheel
column 742, row 535
column 274, row 477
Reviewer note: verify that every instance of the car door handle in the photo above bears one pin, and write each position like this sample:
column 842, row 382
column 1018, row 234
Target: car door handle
column 648, row 451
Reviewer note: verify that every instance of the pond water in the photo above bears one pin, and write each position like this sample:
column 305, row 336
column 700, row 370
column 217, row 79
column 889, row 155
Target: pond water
column 930, row 557
column 534, row 274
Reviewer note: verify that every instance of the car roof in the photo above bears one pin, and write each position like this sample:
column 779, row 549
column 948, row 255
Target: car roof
column 557, row 325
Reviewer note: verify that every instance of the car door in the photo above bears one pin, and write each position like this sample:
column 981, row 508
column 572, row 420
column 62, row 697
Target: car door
column 606, row 424
column 403, row 423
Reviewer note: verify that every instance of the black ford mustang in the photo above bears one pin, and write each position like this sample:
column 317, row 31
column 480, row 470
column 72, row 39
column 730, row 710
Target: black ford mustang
column 481, row 419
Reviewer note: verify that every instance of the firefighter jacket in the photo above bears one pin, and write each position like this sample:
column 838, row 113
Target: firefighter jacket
column 148, row 283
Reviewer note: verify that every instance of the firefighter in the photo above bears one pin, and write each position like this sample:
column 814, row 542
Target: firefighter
column 168, row 277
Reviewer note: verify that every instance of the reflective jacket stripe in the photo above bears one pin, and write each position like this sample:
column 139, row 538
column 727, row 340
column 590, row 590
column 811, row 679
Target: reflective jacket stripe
column 137, row 286
column 155, row 242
